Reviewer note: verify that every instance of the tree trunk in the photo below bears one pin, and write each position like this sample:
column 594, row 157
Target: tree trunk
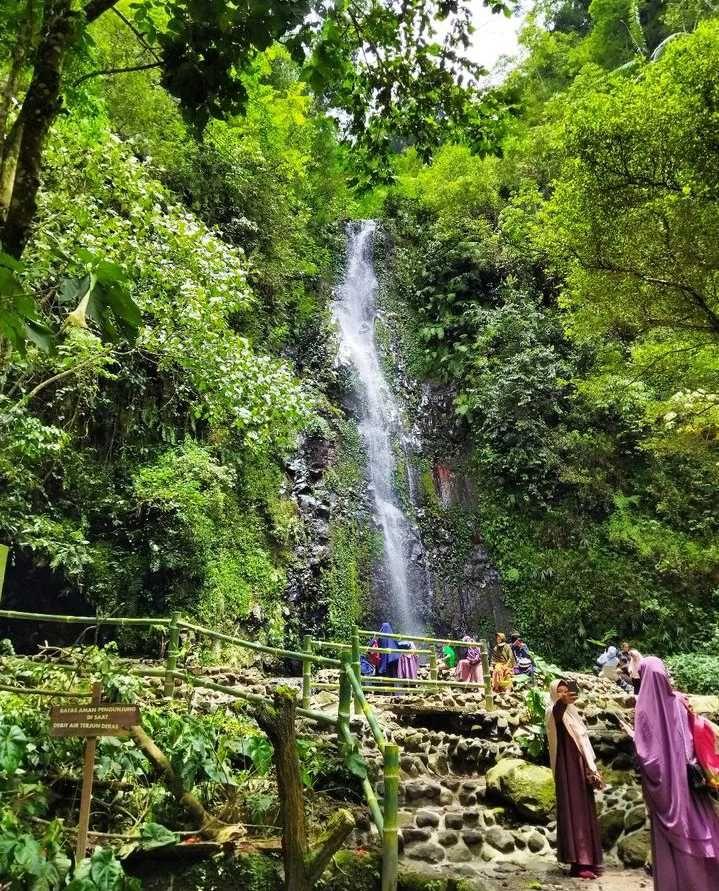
column 278, row 722
column 39, row 110
column 302, row 869
column 8, row 165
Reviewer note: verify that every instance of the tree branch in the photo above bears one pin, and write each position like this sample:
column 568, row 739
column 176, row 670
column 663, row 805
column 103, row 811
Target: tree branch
column 51, row 380
column 327, row 845
column 208, row 826
column 140, row 39
column 103, row 71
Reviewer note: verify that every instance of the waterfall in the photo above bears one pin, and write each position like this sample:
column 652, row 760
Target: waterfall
column 380, row 420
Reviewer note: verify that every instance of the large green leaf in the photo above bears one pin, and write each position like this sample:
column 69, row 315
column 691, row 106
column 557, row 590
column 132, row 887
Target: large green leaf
column 13, row 744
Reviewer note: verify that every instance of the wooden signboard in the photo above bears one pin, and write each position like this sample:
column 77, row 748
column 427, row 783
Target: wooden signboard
column 91, row 721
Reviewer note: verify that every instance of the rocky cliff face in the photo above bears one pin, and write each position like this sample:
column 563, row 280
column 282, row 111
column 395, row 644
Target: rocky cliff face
column 464, row 591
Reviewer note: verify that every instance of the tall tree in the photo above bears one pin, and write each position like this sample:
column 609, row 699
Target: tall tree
column 379, row 61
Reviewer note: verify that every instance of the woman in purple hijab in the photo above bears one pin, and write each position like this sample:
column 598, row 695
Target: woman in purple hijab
column 389, row 662
column 685, row 828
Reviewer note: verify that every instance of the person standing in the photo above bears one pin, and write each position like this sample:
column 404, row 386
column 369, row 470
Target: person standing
column 502, row 660
column 633, row 659
column 407, row 665
column 575, row 777
column 684, row 825
column 608, row 664
column 470, row 667
column 389, row 662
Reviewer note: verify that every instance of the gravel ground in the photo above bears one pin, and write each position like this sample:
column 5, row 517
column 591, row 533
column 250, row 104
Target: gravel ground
column 614, row 879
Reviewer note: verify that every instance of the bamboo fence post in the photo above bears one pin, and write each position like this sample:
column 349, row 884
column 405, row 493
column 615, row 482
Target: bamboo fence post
column 390, row 841
column 345, row 703
column 433, row 666
column 172, row 653
column 488, row 698
column 356, row 665
column 4, row 551
column 306, row 672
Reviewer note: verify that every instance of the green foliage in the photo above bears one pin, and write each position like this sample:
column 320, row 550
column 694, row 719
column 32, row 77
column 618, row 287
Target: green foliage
column 346, row 581
column 38, row 864
column 695, row 672
column 564, row 293
column 156, row 468
column 533, row 740
column 102, row 872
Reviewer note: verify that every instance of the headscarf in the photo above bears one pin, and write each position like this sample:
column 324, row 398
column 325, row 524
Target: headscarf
column 664, row 748
column 502, row 652
column 573, row 724
column 387, row 642
column 609, row 657
column 473, row 654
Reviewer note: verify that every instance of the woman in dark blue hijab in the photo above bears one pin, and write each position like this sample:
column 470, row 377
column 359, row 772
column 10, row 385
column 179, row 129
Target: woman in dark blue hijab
column 388, row 661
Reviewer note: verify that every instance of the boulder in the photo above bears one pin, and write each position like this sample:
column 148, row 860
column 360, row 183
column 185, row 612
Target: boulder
column 611, row 825
column 412, row 834
column 634, row 848
column 635, row 818
column 427, row 818
column 428, row 851
column 472, row 837
column 447, row 838
column 536, row 842
column 459, row 854
column 500, row 839
column 528, row 788
column 454, row 820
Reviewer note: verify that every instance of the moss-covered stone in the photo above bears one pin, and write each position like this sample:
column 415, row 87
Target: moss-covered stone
column 634, row 848
column 611, row 825
column 528, row 788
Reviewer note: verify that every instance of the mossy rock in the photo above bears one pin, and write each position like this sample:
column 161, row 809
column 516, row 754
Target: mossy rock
column 611, row 825
column 614, row 777
column 352, row 871
column 634, row 848
column 528, row 788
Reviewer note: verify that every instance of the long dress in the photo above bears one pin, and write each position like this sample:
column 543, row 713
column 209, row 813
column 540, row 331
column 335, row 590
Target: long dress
column 407, row 664
column 502, row 670
column 685, row 828
column 578, row 836
column 470, row 667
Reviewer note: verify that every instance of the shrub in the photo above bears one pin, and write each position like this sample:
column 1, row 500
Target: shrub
column 695, row 673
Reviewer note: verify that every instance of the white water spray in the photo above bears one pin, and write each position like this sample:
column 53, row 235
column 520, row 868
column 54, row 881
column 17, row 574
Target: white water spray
column 355, row 312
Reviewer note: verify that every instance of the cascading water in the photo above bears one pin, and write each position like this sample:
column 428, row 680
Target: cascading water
column 380, row 421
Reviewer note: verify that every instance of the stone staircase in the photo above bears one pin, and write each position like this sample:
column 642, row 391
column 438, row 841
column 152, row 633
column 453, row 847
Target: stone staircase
column 448, row 822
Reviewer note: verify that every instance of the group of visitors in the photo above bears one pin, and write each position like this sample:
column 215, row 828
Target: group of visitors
column 463, row 663
column 402, row 663
column 677, row 753
column 621, row 666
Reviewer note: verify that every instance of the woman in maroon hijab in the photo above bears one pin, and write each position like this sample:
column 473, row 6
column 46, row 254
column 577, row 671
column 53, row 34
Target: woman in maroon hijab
column 685, row 828
column 575, row 778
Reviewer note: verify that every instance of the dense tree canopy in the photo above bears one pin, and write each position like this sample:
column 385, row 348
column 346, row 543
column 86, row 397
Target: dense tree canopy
column 173, row 180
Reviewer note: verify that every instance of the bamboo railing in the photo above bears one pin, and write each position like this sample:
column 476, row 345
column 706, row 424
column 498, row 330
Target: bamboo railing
column 382, row 684
column 384, row 817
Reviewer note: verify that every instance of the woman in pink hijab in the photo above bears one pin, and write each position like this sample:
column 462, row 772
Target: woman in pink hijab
column 685, row 828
